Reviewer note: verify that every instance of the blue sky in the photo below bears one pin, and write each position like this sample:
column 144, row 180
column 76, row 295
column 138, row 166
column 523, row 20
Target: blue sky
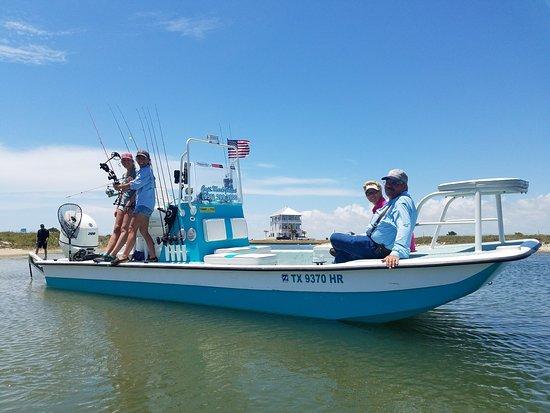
column 330, row 93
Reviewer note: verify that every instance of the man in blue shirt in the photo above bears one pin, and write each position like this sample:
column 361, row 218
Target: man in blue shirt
column 389, row 233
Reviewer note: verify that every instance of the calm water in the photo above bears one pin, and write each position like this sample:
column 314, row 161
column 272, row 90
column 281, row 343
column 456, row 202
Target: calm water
column 64, row 351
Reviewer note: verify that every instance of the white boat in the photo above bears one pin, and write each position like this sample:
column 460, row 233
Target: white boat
column 207, row 259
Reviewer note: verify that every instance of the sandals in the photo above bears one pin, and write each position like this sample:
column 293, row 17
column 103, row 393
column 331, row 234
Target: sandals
column 117, row 261
column 104, row 258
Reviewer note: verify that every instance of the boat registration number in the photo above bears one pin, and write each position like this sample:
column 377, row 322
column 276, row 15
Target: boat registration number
column 313, row 278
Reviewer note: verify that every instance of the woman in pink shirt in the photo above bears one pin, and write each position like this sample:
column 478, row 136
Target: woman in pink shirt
column 373, row 191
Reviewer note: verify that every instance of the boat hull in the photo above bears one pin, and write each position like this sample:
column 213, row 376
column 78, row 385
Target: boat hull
column 367, row 295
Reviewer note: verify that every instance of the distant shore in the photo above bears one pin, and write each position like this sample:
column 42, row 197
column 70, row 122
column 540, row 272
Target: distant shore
column 307, row 241
column 545, row 247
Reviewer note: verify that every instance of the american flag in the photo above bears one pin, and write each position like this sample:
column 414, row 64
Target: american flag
column 242, row 151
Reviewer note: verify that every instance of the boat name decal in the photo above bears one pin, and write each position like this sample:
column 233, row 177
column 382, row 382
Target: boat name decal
column 313, row 278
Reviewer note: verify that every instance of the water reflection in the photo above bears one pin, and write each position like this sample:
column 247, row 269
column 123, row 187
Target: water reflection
column 79, row 351
column 155, row 352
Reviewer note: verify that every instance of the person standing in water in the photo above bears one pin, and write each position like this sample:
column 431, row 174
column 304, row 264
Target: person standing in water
column 42, row 236
column 144, row 185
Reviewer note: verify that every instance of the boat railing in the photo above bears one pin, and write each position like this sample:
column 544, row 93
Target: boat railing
column 476, row 189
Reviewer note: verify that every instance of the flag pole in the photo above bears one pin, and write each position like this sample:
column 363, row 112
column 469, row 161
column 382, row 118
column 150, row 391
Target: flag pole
column 225, row 149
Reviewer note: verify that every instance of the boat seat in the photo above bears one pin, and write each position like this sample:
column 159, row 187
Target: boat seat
column 251, row 249
column 241, row 259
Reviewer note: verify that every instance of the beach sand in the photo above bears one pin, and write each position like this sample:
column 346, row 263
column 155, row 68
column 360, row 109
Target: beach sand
column 16, row 252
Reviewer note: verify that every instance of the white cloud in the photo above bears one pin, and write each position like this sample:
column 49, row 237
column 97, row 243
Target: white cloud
column 287, row 180
column 23, row 28
column 189, row 27
column 60, row 169
column 265, row 165
column 31, row 54
column 35, row 54
column 320, row 224
column 299, row 191
column 292, row 186
column 35, row 182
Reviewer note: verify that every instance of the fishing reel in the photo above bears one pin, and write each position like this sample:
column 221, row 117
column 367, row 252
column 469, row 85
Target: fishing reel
column 111, row 192
column 170, row 216
column 110, row 173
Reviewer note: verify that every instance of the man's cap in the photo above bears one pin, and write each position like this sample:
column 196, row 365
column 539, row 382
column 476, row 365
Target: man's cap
column 372, row 185
column 398, row 174
column 142, row 152
column 127, row 155
column 42, row 225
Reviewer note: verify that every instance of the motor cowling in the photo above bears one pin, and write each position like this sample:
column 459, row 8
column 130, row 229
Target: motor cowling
column 85, row 242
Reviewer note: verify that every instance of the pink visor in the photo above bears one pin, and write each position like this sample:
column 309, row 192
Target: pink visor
column 127, row 155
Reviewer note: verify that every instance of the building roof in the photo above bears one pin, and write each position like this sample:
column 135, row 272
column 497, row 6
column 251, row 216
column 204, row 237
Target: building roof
column 286, row 211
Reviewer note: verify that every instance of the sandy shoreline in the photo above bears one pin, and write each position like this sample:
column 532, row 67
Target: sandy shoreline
column 16, row 252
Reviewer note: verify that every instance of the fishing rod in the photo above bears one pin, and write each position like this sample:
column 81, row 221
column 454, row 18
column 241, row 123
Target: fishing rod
column 171, row 210
column 100, row 140
column 87, row 190
column 154, row 155
column 106, row 166
column 131, row 135
column 147, row 145
column 159, row 156
column 119, row 129
column 143, row 129
column 154, row 146
column 165, row 156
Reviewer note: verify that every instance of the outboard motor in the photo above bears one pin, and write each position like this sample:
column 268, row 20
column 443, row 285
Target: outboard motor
column 79, row 235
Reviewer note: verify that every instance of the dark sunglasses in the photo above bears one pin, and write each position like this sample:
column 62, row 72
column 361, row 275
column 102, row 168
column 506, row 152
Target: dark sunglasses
column 393, row 182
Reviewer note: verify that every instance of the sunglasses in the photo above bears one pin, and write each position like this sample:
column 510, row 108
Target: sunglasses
column 393, row 182
column 371, row 192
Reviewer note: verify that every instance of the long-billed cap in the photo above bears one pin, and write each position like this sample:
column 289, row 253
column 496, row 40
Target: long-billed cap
column 372, row 185
column 398, row 174
column 127, row 155
column 143, row 152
